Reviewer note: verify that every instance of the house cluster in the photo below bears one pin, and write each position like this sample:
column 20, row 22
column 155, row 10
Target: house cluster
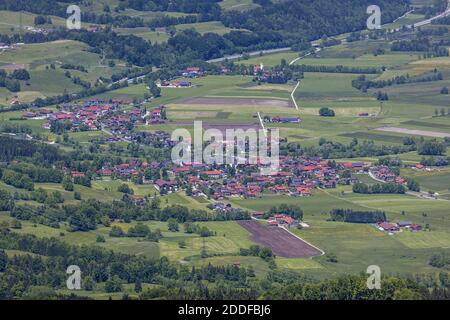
column 157, row 139
column 258, row 69
column 93, row 115
column 421, row 167
column 224, row 208
column 385, row 174
column 156, row 116
column 125, row 171
column 175, row 84
column 121, row 123
column 283, row 220
column 193, row 72
column 297, row 177
column 37, row 30
column 277, row 119
column 355, row 167
column 391, row 227
column 88, row 116
column 5, row 46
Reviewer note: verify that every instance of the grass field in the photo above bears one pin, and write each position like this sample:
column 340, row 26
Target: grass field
column 46, row 81
column 270, row 60
column 16, row 22
column 437, row 180
column 238, row 5
column 204, row 27
column 145, row 33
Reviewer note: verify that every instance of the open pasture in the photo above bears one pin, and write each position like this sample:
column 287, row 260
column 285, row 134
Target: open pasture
column 235, row 102
column 437, row 180
column 145, row 33
column 389, row 60
column 270, row 60
column 332, row 86
column 238, row 5
column 204, row 27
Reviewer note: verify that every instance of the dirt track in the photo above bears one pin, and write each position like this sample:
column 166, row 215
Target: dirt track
column 282, row 243
column 236, row 102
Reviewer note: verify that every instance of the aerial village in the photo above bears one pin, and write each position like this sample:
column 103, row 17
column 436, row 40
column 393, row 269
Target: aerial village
column 297, row 177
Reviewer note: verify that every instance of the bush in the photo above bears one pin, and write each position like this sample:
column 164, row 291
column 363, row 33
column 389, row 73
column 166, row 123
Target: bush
column 116, row 232
column 326, row 112
column 432, row 148
column 125, row 188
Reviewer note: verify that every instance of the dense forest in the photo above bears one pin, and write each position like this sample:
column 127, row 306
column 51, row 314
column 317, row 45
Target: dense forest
column 287, row 23
column 291, row 21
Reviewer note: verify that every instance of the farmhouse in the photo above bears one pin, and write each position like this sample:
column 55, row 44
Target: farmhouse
column 388, row 227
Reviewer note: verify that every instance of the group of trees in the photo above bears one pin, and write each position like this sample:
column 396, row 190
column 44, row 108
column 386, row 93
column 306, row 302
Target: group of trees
column 336, row 69
column 432, row 148
column 421, row 45
column 257, row 251
column 326, row 112
column 6, row 81
column 16, row 179
column 435, row 161
column 378, row 188
column 140, row 230
column 336, row 150
column 362, row 83
column 202, row 231
column 293, row 211
column 87, row 215
column 348, row 215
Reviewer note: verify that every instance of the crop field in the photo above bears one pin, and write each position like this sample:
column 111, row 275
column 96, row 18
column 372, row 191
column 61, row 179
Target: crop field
column 281, row 242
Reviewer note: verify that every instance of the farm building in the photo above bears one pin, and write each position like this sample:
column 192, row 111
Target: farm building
column 388, row 227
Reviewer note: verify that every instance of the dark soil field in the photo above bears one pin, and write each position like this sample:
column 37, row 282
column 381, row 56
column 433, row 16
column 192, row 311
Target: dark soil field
column 282, row 243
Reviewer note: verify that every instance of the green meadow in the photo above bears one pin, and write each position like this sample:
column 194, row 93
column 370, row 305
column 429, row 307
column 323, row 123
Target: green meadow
column 50, row 81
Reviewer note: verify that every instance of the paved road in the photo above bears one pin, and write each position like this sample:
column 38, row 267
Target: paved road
column 251, row 54
column 428, row 21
